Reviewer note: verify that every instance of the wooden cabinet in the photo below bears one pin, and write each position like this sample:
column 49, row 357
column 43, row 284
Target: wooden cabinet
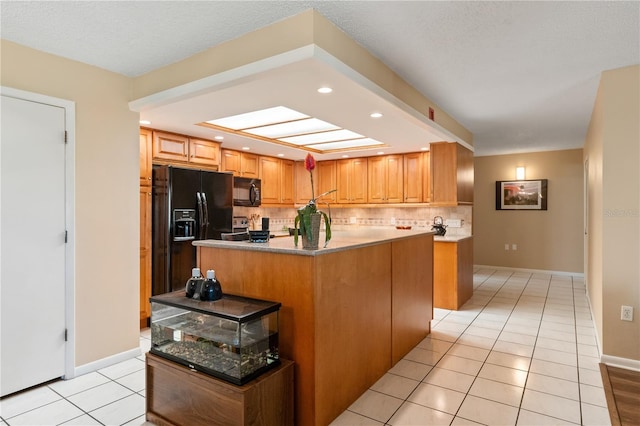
column 451, row 173
column 277, row 180
column 240, row 163
column 286, row 182
column 413, row 180
column 145, row 224
column 351, row 180
column 324, row 179
column 174, row 148
column 204, row 152
column 146, row 164
column 385, row 183
column 452, row 273
column 167, row 146
column 177, row 395
column 427, row 189
column 145, row 254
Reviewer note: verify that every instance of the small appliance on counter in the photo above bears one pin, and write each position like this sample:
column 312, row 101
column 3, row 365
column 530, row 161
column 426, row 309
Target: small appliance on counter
column 439, row 226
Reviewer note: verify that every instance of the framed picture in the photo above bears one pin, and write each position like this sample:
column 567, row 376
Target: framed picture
column 521, row 195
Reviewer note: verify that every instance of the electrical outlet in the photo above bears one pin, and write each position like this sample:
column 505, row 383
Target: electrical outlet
column 506, row 246
column 393, row 220
column 514, row 247
column 626, row 313
column 352, row 220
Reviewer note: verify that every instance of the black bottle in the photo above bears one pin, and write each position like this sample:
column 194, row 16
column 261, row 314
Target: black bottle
column 211, row 288
column 194, row 284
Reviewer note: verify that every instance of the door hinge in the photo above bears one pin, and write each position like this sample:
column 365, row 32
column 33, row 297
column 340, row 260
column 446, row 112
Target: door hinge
column 65, row 334
column 66, row 140
column 66, row 235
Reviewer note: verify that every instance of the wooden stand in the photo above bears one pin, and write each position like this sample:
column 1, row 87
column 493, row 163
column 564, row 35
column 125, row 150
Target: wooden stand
column 177, row 395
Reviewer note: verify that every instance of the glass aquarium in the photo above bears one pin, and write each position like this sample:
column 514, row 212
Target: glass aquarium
column 234, row 338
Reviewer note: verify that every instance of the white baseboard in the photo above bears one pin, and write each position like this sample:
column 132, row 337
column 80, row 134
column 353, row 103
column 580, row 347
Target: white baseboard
column 614, row 361
column 106, row 362
column 535, row 271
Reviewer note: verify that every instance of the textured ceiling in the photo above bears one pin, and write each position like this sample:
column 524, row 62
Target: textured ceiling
column 521, row 76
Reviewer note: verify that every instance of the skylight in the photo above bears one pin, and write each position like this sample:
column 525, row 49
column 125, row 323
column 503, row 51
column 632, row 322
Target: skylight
column 282, row 125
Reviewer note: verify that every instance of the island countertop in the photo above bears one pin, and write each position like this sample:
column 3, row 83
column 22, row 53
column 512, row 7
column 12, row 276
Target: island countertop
column 341, row 240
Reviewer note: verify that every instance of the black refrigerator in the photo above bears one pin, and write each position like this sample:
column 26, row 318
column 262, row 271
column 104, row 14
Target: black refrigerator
column 188, row 205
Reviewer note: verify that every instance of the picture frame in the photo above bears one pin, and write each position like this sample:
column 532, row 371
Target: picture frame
column 521, row 194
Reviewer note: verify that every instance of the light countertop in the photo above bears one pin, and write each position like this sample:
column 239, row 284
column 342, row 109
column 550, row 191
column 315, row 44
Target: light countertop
column 341, row 240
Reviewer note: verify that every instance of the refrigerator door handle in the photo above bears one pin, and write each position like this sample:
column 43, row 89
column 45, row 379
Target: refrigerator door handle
column 200, row 216
column 205, row 220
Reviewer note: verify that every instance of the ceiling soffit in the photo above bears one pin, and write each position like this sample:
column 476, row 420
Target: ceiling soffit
column 209, row 71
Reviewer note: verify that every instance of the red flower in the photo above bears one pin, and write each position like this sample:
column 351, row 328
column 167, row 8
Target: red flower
column 309, row 163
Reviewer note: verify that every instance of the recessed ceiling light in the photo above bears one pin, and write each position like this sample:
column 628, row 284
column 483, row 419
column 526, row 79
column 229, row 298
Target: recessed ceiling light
column 245, row 148
column 375, row 115
column 219, row 138
column 145, row 122
column 380, row 152
column 345, row 156
column 424, row 148
column 280, row 155
column 325, row 90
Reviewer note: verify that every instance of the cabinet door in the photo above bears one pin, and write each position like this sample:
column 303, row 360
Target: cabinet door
column 167, row 146
column 249, row 166
column 325, row 180
column 270, row 177
column 286, row 182
column 343, row 174
column 426, row 177
column 444, row 173
column 204, row 152
column 145, row 253
column 303, row 183
column 377, row 182
column 146, row 165
column 413, row 180
column 395, row 178
column 230, row 161
column 358, row 180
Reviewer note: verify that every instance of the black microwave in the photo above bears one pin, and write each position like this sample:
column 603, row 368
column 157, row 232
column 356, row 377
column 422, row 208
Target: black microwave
column 246, row 192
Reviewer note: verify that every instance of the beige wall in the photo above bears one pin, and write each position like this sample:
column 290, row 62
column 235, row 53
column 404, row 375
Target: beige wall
column 106, row 194
column 548, row 240
column 612, row 149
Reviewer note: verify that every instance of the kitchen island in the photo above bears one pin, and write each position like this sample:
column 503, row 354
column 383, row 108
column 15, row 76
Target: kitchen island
column 349, row 312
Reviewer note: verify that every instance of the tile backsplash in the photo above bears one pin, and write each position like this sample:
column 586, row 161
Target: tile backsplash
column 422, row 217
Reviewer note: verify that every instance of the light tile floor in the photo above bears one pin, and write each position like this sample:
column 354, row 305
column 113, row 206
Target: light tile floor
column 522, row 351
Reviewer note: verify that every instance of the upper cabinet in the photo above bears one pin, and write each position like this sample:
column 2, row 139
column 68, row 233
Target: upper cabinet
column 385, row 179
column 170, row 147
column 324, row 179
column 240, row 163
column 413, row 180
column 204, row 152
column 277, row 180
column 451, row 173
column 146, row 164
column 351, row 178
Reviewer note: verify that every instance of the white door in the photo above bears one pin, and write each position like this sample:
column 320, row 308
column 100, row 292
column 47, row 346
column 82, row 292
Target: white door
column 32, row 250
